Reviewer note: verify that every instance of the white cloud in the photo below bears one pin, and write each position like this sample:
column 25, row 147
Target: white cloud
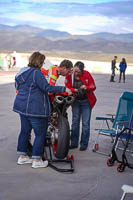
column 75, row 19
column 75, row 24
column 77, row 1
column 29, row 16
column 127, row 29
column 63, row 1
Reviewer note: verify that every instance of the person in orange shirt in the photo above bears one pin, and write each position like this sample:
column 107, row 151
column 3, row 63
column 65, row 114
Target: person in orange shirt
column 55, row 71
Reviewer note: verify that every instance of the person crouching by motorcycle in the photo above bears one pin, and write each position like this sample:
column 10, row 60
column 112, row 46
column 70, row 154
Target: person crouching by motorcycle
column 53, row 74
column 33, row 106
column 55, row 71
column 81, row 83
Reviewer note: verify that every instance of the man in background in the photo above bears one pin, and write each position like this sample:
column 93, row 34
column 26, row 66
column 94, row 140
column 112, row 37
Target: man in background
column 113, row 67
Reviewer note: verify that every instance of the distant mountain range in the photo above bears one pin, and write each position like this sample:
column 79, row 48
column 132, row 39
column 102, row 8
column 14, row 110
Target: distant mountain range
column 27, row 38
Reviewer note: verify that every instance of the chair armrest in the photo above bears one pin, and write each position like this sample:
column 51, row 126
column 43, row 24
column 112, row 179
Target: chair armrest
column 104, row 118
column 112, row 115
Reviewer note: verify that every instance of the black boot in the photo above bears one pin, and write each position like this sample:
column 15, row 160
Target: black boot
column 111, row 78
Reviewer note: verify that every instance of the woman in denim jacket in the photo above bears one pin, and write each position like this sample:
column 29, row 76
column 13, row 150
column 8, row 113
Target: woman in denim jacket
column 32, row 104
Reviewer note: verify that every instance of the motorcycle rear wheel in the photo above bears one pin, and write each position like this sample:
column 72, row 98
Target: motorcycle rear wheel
column 62, row 146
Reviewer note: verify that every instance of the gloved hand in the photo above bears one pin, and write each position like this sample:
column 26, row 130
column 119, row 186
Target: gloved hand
column 81, row 92
column 68, row 91
column 83, row 87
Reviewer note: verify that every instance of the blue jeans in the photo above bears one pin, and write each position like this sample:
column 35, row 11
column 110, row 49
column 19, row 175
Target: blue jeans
column 81, row 108
column 39, row 125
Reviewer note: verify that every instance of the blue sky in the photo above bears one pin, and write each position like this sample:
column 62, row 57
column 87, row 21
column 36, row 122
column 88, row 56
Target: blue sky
column 73, row 16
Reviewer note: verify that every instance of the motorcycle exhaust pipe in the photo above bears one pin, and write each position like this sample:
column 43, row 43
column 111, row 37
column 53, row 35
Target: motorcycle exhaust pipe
column 59, row 99
column 69, row 99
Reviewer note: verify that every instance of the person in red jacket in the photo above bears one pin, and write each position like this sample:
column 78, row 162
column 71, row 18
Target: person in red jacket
column 82, row 85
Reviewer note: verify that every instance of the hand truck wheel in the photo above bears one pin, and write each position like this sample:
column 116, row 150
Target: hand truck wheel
column 110, row 162
column 120, row 167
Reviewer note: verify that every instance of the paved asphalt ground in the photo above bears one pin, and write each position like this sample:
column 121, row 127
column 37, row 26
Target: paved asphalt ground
column 92, row 179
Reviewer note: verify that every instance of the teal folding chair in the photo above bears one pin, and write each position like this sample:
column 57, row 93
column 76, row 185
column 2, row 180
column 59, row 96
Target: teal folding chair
column 112, row 125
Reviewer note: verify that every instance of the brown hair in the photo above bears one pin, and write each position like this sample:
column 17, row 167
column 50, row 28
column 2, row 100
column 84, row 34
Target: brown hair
column 80, row 65
column 123, row 60
column 36, row 60
column 66, row 63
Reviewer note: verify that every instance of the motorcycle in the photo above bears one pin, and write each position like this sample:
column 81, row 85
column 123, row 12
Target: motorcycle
column 58, row 135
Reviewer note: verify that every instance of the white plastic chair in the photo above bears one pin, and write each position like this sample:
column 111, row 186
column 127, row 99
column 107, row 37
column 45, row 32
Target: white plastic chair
column 126, row 189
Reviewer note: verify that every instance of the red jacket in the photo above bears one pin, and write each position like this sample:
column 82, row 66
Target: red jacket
column 88, row 81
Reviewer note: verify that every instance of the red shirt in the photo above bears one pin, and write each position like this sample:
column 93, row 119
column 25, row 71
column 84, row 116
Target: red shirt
column 88, row 81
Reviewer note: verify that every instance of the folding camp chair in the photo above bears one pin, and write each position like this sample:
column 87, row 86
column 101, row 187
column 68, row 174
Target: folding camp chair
column 111, row 126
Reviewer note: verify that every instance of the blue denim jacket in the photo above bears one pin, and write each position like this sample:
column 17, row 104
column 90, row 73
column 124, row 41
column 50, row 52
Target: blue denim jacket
column 32, row 98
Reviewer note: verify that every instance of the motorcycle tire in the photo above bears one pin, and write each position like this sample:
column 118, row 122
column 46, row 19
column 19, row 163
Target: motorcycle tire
column 62, row 147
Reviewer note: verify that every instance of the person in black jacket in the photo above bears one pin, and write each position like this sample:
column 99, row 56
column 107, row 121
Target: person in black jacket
column 113, row 67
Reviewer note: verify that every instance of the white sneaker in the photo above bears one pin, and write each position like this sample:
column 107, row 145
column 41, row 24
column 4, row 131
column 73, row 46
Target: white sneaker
column 38, row 164
column 25, row 160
